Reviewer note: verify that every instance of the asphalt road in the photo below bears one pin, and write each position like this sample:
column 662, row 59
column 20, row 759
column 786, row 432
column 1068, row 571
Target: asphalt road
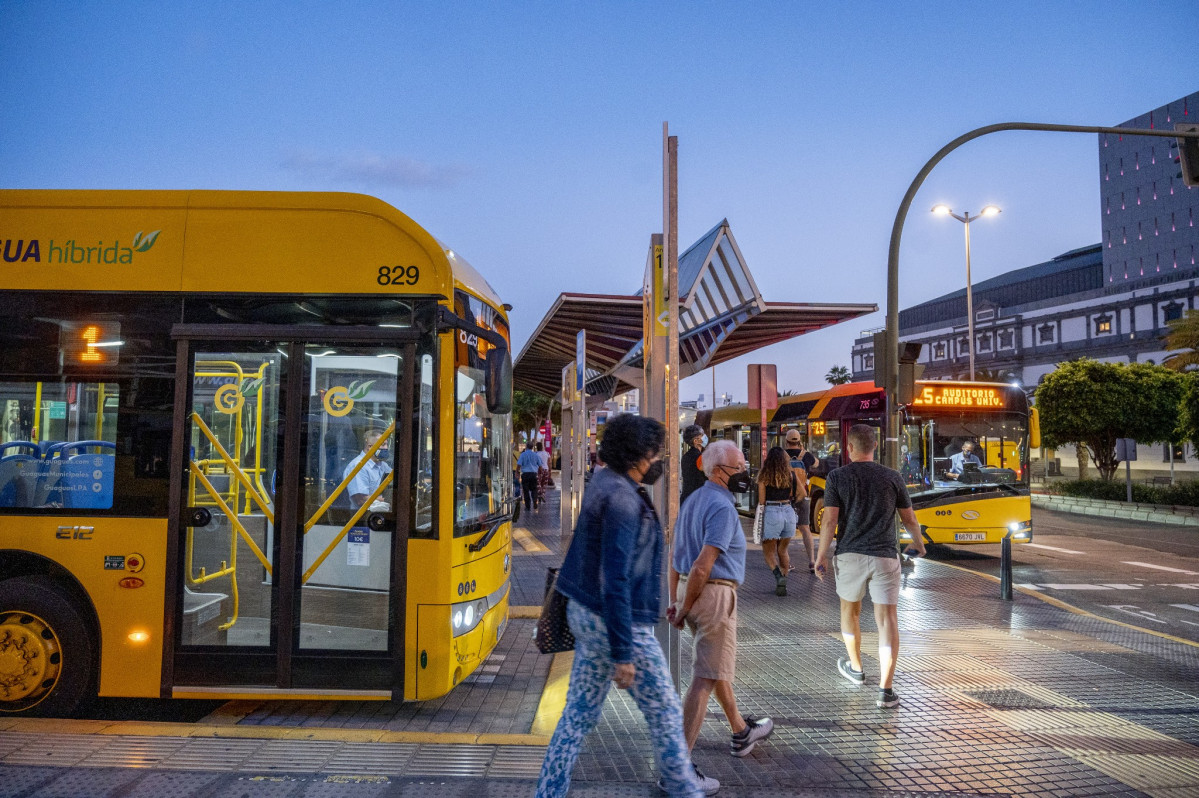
column 1140, row 573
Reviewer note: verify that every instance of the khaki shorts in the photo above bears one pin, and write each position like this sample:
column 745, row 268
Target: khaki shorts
column 857, row 571
column 713, row 622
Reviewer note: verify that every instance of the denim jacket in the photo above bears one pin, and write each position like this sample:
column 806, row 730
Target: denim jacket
column 614, row 564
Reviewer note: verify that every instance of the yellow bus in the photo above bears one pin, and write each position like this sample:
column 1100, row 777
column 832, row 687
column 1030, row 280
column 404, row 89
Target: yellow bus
column 252, row 445
column 982, row 504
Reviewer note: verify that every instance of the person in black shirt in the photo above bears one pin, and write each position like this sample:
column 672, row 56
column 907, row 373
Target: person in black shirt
column 864, row 497
column 777, row 486
column 691, row 475
column 802, row 463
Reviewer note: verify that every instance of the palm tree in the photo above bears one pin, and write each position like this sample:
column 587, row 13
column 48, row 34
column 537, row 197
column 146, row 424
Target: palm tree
column 837, row 375
column 1183, row 337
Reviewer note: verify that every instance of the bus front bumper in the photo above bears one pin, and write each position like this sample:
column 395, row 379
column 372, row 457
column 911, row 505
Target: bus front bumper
column 1020, row 531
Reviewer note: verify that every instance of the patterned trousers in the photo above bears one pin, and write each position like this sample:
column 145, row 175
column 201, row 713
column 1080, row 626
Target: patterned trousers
column 653, row 691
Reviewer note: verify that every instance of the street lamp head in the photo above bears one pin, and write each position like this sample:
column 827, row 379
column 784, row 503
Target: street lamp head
column 942, row 210
column 990, row 210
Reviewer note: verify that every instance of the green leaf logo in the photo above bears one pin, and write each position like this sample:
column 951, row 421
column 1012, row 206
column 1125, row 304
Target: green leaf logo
column 143, row 244
column 250, row 387
column 359, row 390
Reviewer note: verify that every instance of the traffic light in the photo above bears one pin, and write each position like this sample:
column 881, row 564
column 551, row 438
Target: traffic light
column 882, row 362
column 907, row 354
column 1188, row 153
column 909, row 372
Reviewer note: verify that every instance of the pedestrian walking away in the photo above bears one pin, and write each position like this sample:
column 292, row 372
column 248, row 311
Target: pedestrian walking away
column 707, row 565
column 612, row 579
column 802, row 463
column 862, row 498
column 777, row 486
column 529, row 464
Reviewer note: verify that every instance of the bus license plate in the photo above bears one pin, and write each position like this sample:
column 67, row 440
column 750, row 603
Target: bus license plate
column 967, row 537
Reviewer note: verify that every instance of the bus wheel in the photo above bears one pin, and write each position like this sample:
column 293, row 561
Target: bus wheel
column 817, row 513
column 46, row 649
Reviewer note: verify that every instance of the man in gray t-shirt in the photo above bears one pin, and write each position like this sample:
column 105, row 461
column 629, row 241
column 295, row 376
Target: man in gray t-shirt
column 864, row 497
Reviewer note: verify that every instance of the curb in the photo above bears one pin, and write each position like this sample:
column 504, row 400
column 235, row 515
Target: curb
column 1157, row 513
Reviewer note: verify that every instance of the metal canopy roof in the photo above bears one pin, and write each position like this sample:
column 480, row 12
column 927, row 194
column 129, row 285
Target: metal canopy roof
column 722, row 315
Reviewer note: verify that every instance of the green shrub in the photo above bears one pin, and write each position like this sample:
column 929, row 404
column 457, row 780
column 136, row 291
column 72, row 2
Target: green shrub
column 1118, row 492
column 1184, row 493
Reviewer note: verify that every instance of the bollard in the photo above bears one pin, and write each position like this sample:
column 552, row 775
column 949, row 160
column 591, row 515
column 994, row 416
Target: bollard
column 1005, row 568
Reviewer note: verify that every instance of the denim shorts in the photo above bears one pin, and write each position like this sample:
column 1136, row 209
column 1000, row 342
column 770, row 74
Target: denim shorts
column 778, row 522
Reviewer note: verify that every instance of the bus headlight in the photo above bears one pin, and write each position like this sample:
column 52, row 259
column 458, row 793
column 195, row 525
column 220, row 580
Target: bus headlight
column 466, row 616
column 1020, row 531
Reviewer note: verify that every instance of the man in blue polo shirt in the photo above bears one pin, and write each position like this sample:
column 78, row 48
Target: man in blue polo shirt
column 529, row 463
column 707, row 563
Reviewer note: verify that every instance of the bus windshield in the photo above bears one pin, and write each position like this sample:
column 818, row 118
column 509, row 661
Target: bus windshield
column 954, row 450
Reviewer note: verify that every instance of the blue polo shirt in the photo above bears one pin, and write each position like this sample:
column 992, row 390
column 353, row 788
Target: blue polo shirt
column 528, row 462
column 709, row 518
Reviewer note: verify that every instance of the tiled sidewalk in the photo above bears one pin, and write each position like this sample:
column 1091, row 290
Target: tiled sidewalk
column 999, row 698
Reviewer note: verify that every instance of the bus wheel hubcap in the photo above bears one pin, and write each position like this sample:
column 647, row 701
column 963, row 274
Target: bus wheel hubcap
column 30, row 658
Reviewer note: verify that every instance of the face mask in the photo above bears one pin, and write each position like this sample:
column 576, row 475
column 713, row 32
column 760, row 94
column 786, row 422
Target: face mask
column 739, row 482
column 653, row 473
column 703, row 442
column 383, row 454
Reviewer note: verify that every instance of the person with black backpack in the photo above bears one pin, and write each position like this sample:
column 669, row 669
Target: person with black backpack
column 802, row 463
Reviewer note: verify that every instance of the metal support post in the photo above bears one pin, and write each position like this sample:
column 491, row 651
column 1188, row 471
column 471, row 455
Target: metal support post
column 1005, row 567
column 661, row 400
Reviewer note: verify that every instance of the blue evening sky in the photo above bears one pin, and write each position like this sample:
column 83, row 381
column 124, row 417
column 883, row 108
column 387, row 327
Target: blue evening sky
column 527, row 136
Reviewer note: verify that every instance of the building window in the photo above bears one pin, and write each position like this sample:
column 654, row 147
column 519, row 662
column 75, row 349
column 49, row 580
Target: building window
column 1045, row 334
column 1006, row 339
column 1179, row 453
column 1172, row 311
column 868, row 362
column 984, row 343
column 939, row 351
column 1103, row 324
column 963, row 346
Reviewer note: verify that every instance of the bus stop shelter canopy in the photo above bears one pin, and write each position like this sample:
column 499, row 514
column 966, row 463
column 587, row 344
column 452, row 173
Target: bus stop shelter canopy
column 722, row 315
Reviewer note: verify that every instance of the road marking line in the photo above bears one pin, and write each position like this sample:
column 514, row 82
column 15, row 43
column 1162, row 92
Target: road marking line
column 1079, row 587
column 1191, row 607
column 1133, row 609
column 553, row 697
column 528, row 542
column 1053, row 548
column 1163, row 568
column 1056, row 602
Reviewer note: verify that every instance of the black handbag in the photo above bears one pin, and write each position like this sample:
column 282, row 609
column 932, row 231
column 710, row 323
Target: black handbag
column 553, row 633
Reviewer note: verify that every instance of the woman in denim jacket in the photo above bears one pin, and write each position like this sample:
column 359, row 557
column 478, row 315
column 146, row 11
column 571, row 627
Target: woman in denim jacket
column 612, row 576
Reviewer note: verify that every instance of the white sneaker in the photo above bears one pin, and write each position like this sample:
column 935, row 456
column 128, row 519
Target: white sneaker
column 754, row 731
column 709, row 785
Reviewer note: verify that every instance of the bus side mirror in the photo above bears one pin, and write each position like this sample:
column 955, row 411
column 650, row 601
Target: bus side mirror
column 1034, row 428
column 498, row 381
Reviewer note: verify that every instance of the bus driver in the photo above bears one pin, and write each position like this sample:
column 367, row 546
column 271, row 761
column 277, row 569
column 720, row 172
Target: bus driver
column 959, row 461
column 368, row 478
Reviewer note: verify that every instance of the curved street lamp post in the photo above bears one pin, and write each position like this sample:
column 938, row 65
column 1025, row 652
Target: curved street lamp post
column 990, row 210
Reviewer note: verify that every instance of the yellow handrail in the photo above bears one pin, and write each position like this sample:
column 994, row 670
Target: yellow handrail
column 353, row 520
column 236, row 522
column 311, row 522
column 235, row 469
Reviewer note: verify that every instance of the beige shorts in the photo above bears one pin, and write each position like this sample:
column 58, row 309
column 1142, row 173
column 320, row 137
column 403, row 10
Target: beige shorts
column 713, row 622
column 857, row 571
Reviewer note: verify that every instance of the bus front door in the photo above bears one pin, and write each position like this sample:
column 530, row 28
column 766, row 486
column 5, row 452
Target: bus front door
column 287, row 541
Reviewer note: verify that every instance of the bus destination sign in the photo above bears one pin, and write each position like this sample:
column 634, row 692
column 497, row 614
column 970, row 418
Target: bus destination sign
column 959, row 396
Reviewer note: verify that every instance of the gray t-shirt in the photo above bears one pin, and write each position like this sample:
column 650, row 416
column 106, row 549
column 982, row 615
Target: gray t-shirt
column 867, row 494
